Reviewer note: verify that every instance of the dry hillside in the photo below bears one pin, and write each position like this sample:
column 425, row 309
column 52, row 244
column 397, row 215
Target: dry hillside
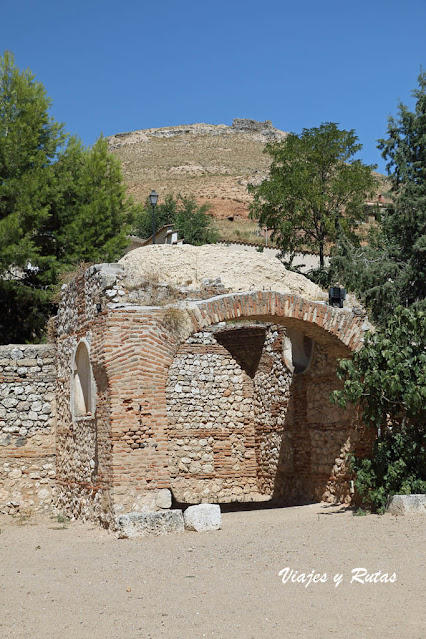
column 214, row 163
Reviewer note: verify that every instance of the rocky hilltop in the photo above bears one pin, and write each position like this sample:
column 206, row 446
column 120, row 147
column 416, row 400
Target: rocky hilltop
column 260, row 131
column 214, row 163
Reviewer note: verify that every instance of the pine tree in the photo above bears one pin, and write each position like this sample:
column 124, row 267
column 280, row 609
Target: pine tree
column 405, row 225
column 60, row 204
column 29, row 143
column 91, row 213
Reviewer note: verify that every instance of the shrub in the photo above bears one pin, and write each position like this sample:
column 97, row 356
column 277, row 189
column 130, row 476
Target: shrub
column 398, row 467
column 387, row 377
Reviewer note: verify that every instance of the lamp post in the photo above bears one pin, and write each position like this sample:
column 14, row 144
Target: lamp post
column 153, row 198
column 336, row 295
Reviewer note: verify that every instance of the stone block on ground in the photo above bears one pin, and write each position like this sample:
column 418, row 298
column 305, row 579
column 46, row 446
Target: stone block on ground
column 145, row 523
column 163, row 498
column 203, row 517
column 407, row 505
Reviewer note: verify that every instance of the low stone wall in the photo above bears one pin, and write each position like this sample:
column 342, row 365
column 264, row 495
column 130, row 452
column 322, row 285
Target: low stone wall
column 27, row 423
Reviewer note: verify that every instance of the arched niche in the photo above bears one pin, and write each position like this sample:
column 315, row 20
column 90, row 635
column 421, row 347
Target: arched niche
column 83, row 391
column 298, row 351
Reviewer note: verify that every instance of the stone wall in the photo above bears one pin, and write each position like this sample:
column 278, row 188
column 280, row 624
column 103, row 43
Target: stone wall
column 84, row 441
column 227, row 396
column 27, row 427
column 114, row 459
column 272, row 384
column 318, row 436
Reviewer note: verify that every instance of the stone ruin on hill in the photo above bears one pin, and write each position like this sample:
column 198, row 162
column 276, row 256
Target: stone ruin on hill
column 253, row 126
column 214, row 396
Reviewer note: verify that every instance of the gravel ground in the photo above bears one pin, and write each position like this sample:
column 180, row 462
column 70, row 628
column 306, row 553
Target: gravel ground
column 79, row 581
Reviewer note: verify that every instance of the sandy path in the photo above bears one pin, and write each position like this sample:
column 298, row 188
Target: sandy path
column 82, row 582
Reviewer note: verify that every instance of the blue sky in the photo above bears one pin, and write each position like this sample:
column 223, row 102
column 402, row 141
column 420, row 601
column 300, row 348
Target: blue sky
column 112, row 66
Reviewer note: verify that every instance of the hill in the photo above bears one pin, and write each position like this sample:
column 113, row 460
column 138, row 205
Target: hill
column 213, row 163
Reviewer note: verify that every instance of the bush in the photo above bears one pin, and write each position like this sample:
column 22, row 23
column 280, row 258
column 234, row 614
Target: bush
column 398, row 467
column 387, row 378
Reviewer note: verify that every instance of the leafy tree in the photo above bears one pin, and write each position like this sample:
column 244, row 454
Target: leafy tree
column 391, row 268
column 60, row 204
column 397, row 467
column 191, row 220
column 194, row 223
column 315, row 191
column 387, row 378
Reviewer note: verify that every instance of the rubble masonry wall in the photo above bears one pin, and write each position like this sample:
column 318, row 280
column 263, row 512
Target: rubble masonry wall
column 27, row 427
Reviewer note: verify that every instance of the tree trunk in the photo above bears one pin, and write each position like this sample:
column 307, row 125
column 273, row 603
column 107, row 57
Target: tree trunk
column 321, row 248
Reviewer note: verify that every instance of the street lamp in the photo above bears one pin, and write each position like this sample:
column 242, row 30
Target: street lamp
column 153, row 198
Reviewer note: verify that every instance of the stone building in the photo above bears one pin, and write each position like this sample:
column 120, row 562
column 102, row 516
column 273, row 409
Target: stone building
column 223, row 398
column 161, row 393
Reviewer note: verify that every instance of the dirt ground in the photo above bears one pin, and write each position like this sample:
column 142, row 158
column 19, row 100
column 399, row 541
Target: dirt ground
column 79, row 581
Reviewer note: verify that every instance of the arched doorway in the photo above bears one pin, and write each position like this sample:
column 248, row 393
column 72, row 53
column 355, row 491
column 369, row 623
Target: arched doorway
column 286, row 441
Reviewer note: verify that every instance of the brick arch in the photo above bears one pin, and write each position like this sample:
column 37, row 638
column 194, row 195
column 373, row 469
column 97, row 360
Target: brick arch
column 312, row 436
column 315, row 319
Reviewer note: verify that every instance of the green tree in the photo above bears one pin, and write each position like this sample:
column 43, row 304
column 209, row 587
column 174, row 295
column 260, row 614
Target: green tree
column 315, row 191
column 29, row 143
column 194, row 222
column 60, row 204
column 165, row 213
column 191, row 220
column 391, row 268
column 387, row 378
column 90, row 213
